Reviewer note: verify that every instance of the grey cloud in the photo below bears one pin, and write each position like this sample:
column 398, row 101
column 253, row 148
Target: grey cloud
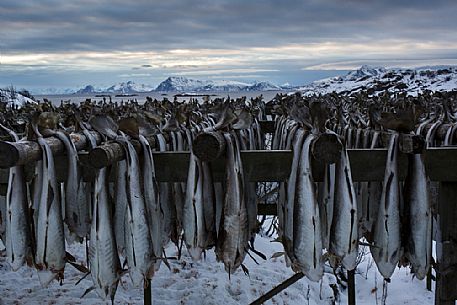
column 149, row 25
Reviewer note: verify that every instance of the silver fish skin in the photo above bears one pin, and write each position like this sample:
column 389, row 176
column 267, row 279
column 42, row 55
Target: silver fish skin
column 344, row 229
column 193, row 213
column 307, row 238
column 386, row 251
column 120, row 207
column 209, row 205
column 282, row 196
column 138, row 243
column 166, row 204
column 77, row 199
column 105, row 267
column 50, row 239
column 251, row 188
column 418, row 216
column 288, row 210
column 152, row 200
column 18, row 241
column 2, row 218
column 178, row 189
column 233, row 240
column 373, row 198
column 326, row 202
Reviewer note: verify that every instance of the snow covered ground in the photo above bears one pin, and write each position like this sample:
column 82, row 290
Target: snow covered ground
column 206, row 282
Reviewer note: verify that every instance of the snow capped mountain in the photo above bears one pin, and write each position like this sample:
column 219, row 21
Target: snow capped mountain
column 180, row 83
column 376, row 80
column 128, row 87
column 53, row 91
column 86, row 90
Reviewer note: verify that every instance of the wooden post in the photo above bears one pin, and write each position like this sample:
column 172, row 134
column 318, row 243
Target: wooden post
column 147, row 293
column 23, row 152
column 446, row 273
column 351, row 287
column 208, row 146
column 112, row 152
column 326, row 148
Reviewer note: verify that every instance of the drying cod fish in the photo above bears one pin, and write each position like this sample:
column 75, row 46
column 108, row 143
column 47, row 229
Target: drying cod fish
column 307, row 238
column 288, row 227
column 18, row 239
column 233, row 236
column 209, row 204
column 326, row 203
column 374, row 191
column 105, row 267
column 166, row 203
column 193, row 213
column 120, row 201
column 152, row 200
column 177, row 188
column 2, row 218
column 137, row 238
column 386, row 250
column 344, row 229
column 77, row 193
column 418, row 216
column 50, row 239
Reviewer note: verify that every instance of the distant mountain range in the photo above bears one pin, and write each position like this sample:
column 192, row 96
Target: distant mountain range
column 376, row 80
column 372, row 79
column 174, row 84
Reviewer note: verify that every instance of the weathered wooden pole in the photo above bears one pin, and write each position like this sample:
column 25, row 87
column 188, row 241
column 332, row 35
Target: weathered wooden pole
column 446, row 246
column 262, row 299
column 147, row 297
column 209, row 146
column 351, row 287
column 112, row 152
column 23, row 152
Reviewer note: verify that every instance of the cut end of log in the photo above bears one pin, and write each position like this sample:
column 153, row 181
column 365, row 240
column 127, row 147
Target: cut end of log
column 412, row 144
column 104, row 155
column 208, row 146
column 327, row 148
column 9, row 155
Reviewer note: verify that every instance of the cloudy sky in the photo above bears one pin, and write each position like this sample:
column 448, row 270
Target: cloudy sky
column 59, row 43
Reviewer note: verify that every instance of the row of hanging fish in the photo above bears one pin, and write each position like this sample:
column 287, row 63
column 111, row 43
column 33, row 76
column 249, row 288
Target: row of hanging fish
column 128, row 224
column 320, row 221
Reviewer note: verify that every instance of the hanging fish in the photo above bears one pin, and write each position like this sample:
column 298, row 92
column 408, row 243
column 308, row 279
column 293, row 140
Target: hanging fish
column 344, row 229
column 50, row 239
column 120, row 207
column 193, row 213
column 307, row 238
column 137, row 238
column 374, row 191
column 209, row 204
column 105, row 267
column 77, row 193
column 233, row 236
column 288, row 220
column 166, row 202
column 326, row 202
column 418, row 216
column 152, row 200
column 2, row 218
column 386, row 249
column 18, row 238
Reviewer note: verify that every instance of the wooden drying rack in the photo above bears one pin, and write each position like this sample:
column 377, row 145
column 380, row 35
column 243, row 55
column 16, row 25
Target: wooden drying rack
column 274, row 166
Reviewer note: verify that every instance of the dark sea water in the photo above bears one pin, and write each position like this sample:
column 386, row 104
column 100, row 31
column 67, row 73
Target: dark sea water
column 141, row 97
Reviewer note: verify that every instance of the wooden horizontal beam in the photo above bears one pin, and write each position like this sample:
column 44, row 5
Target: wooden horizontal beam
column 270, row 166
column 23, row 152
